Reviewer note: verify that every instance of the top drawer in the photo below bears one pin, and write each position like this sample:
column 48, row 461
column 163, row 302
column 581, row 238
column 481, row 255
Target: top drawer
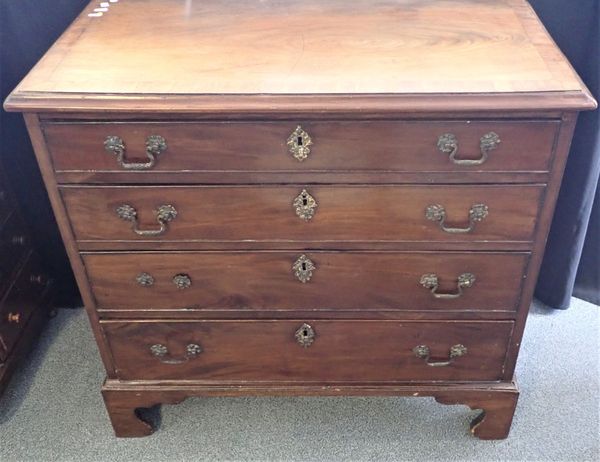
column 91, row 151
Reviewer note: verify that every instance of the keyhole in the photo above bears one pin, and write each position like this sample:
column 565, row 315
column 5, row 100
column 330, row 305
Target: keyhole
column 304, row 269
column 299, row 141
column 304, row 200
column 305, row 333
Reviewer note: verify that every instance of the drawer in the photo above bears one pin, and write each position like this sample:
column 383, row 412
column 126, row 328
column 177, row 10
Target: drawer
column 281, row 351
column 6, row 204
column 13, row 246
column 345, row 146
column 307, row 214
column 20, row 302
column 307, row 281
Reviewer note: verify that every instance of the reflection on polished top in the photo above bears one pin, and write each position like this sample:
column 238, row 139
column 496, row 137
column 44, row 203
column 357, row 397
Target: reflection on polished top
column 300, row 47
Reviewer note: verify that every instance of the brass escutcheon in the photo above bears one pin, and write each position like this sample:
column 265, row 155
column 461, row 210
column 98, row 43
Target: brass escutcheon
column 303, row 268
column 305, row 205
column 305, row 335
column 299, row 143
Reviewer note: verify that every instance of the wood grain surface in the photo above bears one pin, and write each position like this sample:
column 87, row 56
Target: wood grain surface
column 342, row 350
column 495, row 400
column 166, row 48
column 363, row 281
column 338, row 146
column 266, row 213
column 305, row 46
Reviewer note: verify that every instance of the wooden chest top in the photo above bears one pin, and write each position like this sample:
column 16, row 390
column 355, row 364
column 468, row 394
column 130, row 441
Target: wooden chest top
column 183, row 55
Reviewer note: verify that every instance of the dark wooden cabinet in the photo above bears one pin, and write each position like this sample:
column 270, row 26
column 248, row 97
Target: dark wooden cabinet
column 305, row 197
column 26, row 290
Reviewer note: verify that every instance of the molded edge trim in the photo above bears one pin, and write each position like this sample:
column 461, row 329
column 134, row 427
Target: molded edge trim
column 360, row 104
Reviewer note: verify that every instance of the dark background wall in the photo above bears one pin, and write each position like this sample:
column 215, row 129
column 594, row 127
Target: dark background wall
column 573, row 252
column 29, row 27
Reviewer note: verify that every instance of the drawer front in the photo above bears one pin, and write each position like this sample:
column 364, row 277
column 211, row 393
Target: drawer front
column 399, row 146
column 6, row 204
column 307, row 281
column 13, row 246
column 20, row 302
column 308, row 214
column 308, row 351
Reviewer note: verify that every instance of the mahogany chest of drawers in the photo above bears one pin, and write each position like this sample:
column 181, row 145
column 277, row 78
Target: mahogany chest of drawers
column 305, row 197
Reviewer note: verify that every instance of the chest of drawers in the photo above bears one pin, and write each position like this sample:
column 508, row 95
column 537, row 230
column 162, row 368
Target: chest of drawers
column 26, row 290
column 305, row 197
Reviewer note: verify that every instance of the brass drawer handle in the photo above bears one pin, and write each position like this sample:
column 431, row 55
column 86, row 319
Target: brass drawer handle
column 14, row 318
column 305, row 335
column 162, row 353
column 155, row 145
column 477, row 213
column 182, row 281
column 164, row 215
column 431, row 282
column 303, row 268
column 299, row 143
column 305, row 205
column 448, row 144
column 423, row 352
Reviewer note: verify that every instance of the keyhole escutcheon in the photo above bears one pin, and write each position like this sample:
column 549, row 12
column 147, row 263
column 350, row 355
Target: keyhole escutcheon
column 305, row 335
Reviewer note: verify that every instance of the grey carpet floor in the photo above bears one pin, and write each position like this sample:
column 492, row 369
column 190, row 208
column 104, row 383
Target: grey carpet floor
column 53, row 411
